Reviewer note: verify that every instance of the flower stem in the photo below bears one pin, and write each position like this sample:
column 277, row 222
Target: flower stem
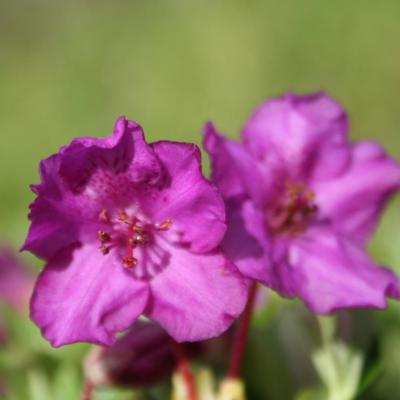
column 87, row 391
column 185, row 371
column 242, row 332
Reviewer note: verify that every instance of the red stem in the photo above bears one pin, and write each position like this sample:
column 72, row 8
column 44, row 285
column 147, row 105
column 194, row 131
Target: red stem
column 242, row 332
column 185, row 370
column 87, row 391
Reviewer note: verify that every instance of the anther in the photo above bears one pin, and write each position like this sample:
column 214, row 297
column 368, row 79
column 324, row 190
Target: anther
column 139, row 238
column 293, row 211
column 122, row 216
column 310, row 196
column 129, row 261
column 164, row 226
column 104, row 216
column 138, row 227
column 105, row 250
column 312, row 209
column 104, row 237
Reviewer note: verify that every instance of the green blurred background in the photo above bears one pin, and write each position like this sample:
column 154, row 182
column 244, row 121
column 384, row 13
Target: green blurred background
column 70, row 68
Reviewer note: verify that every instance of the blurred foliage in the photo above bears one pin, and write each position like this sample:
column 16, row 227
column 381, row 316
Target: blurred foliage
column 69, row 68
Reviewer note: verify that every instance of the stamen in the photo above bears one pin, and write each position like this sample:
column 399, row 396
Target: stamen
column 138, row 227
column 311, row 209
column 105, row 250
column 293, row 210
column 129, row 231
column 309, row 195
column 104, row 237
column 164, row 226
column 138, row 238
column 122, row 216
column 129, row 261
column 104, row 216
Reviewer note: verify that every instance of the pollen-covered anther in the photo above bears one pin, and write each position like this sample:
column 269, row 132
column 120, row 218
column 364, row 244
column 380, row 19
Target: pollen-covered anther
column 138, row 227
column 164, row 226
column 104, row 249
column 137, row 239
column 104, row 216
column 294, row 209
column 311, row 209
column 103, row 237
column 129, row 261
column 122, row 216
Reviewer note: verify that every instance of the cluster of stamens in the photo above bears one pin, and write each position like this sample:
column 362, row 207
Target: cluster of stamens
column 135, row 233
column 294, row 209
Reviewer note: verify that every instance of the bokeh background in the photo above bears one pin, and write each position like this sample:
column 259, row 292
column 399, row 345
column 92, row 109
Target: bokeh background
column 70, row 68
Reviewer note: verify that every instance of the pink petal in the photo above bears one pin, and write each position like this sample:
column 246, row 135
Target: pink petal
column 353, row 202
column 197, row 297
column 223, row 166
column 55, row 214
column 82, row 179
column 107, row 170
column 256, row 253
column 333, row 273
column 82, row 295
column 15, row 280
column 144, row 356
column 232, row 165
column 303, row 132
column 192, row 203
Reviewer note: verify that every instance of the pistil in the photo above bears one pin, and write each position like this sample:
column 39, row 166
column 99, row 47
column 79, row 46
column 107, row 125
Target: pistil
column 129, row 230
column 293, row 210
column 129, row 260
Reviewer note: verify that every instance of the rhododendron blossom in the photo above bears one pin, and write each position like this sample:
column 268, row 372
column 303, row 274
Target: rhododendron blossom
column 15, row 280
column 16, row 284
column 302, row 202
column 143, row 356
column 130, row 228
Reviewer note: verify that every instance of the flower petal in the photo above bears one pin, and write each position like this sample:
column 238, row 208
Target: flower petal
column 197, row 297
column 143, row 356
column 303, row 131
column 256, row 253
column 82, row 295
column 55, row 214
column 232, row 165
column 110, row 169
column 223, row 167
column 15, row 280
column 192, row 203
column 333, row 273
column 82, row 179
column 353, row 202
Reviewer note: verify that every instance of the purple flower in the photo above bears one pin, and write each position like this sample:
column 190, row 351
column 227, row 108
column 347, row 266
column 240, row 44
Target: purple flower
column 15, row 280
column 302, row 203
column 144, row 356
column 15, row 286
column 129, row 228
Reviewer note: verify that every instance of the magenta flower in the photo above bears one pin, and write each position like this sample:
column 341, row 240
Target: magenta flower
column 302, row 203
column 15, row 280
column 144, row 356
column 147, row 355
column 15, row 286
column 129, row 228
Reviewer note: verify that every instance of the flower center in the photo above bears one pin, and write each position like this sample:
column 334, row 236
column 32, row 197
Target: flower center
column 128, row 232
column 292, row 211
